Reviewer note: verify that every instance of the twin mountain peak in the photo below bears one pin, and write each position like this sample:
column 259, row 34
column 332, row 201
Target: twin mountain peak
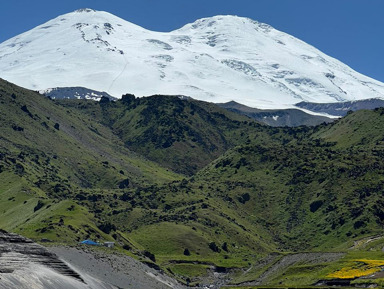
column 217, row 59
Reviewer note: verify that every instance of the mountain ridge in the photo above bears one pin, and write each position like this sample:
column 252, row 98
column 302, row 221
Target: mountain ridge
column 277, row 117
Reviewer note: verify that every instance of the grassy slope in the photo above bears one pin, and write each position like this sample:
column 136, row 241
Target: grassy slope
column 184, row 135
column 298, row 194
column 363, row 129
column 81, row 149
column 74, row 170
column 308, row 195
column 278, row 190
column 289, row 192
column 60, row 220
column 52, row 164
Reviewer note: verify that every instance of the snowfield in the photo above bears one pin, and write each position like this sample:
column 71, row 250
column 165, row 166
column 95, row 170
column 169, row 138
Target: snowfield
column 215, row 59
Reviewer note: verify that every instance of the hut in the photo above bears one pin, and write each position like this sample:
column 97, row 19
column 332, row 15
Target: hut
column 109, row 244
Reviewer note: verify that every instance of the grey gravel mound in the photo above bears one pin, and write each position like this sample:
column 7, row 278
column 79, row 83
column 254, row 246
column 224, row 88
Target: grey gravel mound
column 25, row 265
column 119, row 270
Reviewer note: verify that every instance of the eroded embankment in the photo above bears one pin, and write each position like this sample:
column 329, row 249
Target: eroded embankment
column 25, row 264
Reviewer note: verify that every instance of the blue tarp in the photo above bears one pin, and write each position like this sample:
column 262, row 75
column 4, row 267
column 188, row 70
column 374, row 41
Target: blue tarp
column 89, row 242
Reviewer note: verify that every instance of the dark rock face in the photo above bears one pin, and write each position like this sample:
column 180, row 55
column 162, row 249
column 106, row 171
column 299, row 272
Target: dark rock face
column 342, row 108
column 77, row 93
column 277, row 117
column 25, row 264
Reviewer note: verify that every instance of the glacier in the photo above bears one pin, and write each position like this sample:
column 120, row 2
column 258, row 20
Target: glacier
column 216, row 59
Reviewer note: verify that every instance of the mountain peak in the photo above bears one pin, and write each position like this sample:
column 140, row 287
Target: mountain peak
column 85, row 10
column 225, row 21
column 216, row 59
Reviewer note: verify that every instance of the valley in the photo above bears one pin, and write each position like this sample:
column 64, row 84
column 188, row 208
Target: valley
column 222, row 154
column 206, row 195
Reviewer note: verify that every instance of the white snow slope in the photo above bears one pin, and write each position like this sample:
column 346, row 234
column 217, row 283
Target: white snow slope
column 215, row 59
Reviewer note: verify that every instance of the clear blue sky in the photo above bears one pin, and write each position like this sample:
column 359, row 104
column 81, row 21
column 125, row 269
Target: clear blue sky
column 349, row 30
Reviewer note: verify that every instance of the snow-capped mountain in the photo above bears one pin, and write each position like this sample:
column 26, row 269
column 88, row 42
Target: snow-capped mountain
column 216, row 59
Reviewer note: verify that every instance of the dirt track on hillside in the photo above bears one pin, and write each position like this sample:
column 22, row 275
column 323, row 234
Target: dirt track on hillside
column 287, row 261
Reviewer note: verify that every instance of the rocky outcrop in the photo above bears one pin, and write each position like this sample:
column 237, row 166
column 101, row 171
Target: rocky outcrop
column 25, row 264
column 17, row 252
column 277, row 117
column 341, row 108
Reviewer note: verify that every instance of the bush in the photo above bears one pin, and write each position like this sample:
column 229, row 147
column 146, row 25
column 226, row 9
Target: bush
column 107, row 227
column 124, row 184
column 150, row 256
column 314, row 206
column 186, row 252
column 19, row 169
column 128, row 98
column 126, row 247
column 244, row 198
column 39, row 205
column 214, row 247
column 104, row 100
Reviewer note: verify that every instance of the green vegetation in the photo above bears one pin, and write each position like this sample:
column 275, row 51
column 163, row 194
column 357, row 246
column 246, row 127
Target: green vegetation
column 183, row 135
column 194, row 189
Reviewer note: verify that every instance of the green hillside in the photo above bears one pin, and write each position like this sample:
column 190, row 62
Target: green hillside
column 182, row 134
column 195, row 189
column 49, row 154
column 47, row 140
column 362, row 129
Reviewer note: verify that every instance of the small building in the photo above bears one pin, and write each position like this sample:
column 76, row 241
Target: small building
column 109, row 244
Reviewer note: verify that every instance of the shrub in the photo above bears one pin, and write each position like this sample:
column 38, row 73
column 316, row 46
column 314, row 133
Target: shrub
column 186, row 252
column 107, row 227
column 314, row 206
column 214, row 247
column 104, row 100
column 124, row 184
column 150, row 256
column 39, row 205
column 244, row 198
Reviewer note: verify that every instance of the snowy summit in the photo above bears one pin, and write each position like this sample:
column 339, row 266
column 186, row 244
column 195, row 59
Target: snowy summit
column 215, row 59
